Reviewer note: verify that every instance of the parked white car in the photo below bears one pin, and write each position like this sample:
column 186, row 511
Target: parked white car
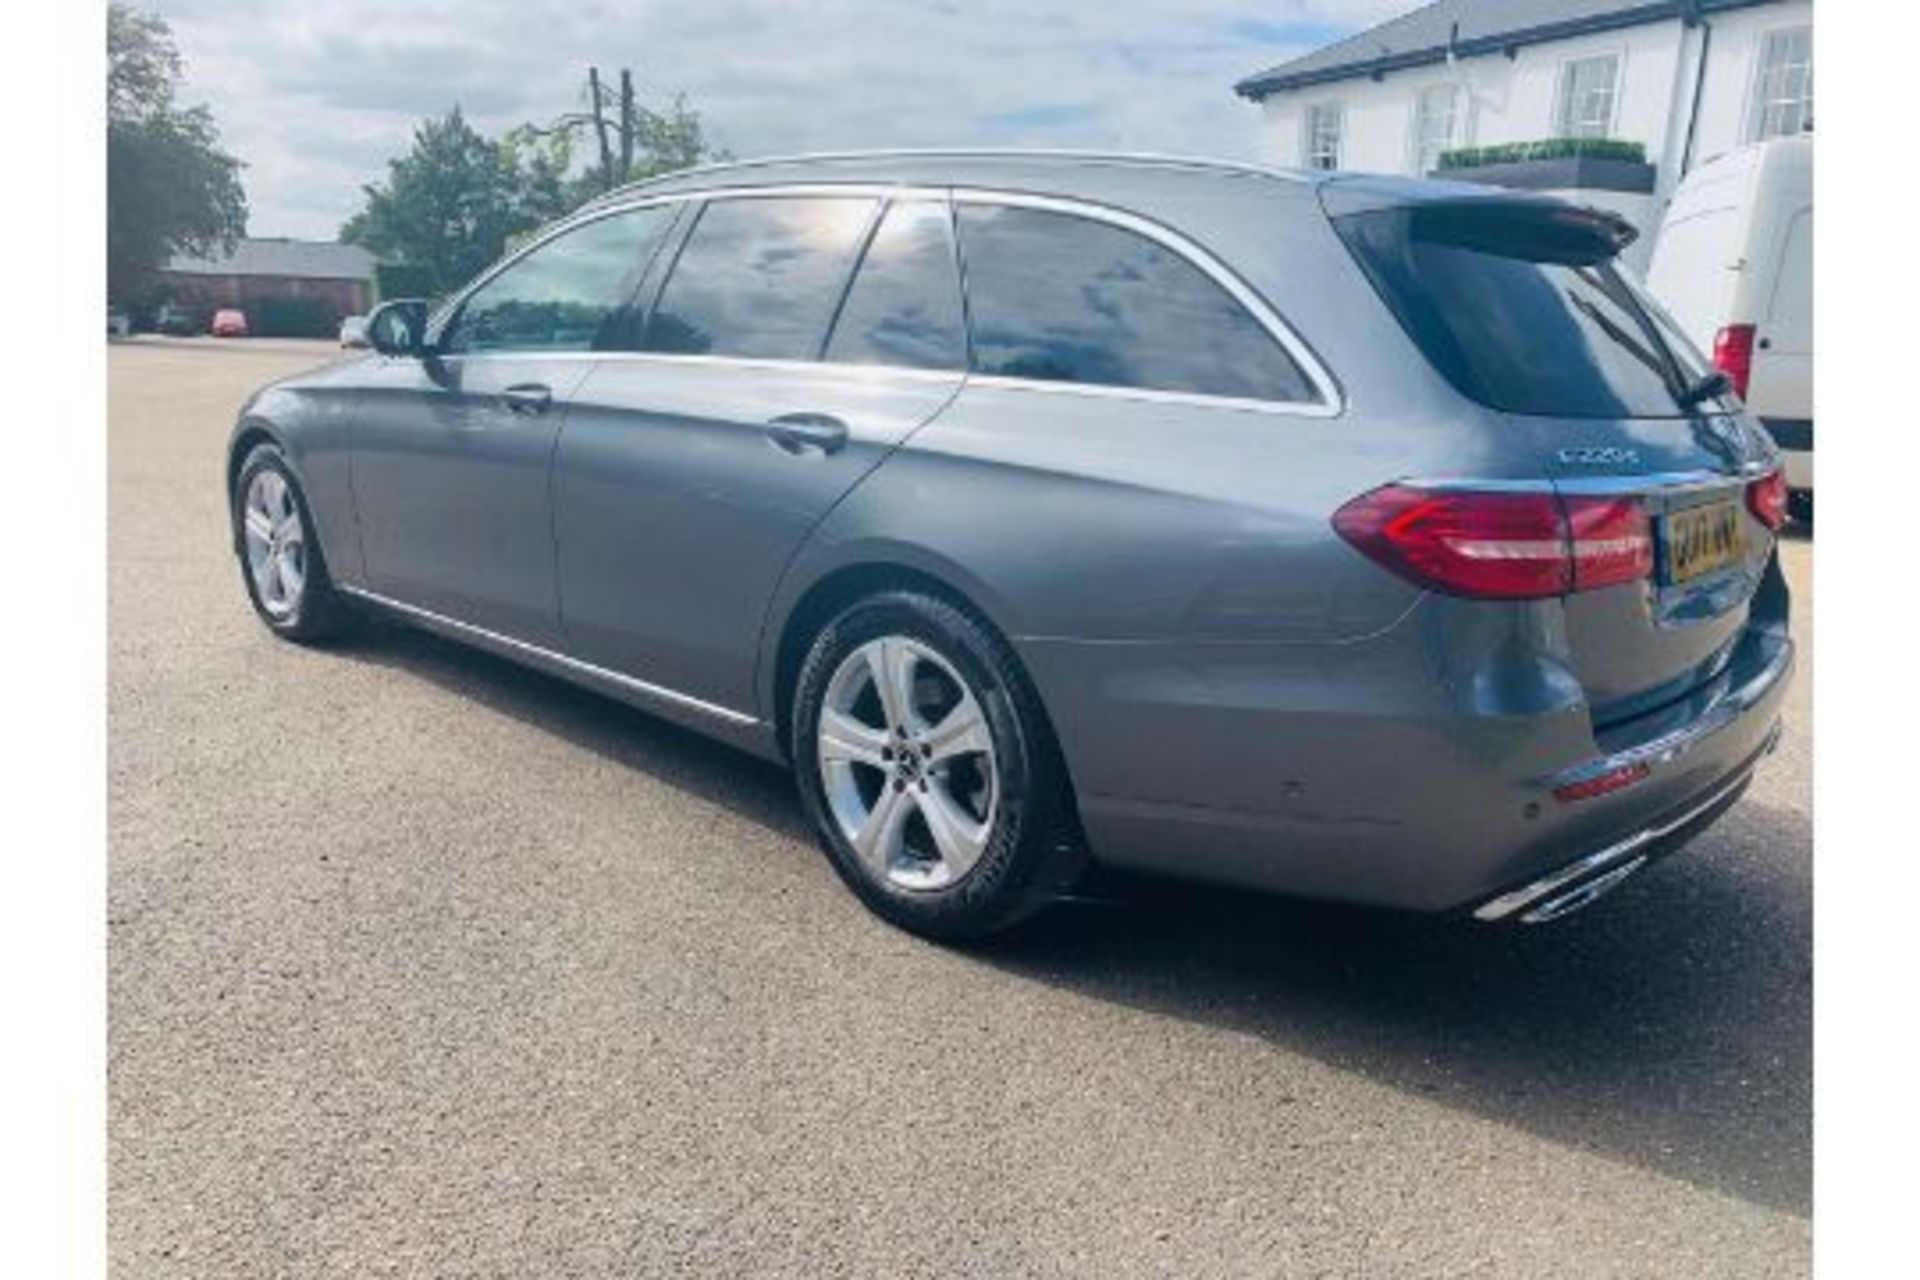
column 1734, row 266
column 353, row 332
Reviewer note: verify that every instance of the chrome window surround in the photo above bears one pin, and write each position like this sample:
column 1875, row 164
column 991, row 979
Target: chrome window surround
column 1329, row 402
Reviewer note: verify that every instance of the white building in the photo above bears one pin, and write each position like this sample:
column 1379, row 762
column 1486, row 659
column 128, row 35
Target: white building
column 1686, row 79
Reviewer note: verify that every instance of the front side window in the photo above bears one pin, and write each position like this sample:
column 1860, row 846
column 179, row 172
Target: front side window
column 1433, row 126
column 903, row 308
column 1586, row 96
column 1323, row 136
column 1783, row 85
column 560, row 296
column 759, row 277
column 1057, row 297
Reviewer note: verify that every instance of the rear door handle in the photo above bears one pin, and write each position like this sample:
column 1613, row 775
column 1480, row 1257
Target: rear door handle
column 800, row 434
column 528, row 397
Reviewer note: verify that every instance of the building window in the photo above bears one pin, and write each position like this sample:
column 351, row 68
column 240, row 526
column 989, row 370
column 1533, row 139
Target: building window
column 1586, row 96
column 1434, row 112
column 1783, row 85
column 1323, row 136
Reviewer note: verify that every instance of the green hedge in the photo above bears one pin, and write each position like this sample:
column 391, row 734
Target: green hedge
column 1545, row 149
column 292, row 318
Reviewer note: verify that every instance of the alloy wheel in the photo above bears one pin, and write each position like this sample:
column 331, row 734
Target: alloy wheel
column 276, row 543
column 908, row 764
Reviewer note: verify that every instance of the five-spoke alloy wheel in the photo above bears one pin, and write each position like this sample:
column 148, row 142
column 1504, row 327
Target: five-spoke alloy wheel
column 280, row 558
column 276, row 542
column 928, row 769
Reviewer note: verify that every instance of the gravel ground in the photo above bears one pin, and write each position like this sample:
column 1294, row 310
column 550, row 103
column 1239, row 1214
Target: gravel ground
column 424, row 965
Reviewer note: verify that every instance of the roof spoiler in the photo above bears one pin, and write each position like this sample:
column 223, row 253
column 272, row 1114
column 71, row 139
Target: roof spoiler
column 1513, row 224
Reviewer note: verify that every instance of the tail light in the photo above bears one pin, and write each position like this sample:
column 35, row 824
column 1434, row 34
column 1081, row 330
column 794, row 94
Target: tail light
column 1495, row 545
column 1733, row 355
column 1767, row 499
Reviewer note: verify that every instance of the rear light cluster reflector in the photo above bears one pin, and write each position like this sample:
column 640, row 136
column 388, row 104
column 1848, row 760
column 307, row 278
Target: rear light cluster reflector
column 1733, row 355
column 1767, row 499
column 1604, row 783
column 1499, row 545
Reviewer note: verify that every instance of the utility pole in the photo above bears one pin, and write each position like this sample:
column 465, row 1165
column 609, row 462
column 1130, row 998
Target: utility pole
column 600, row 129
column 626, row 124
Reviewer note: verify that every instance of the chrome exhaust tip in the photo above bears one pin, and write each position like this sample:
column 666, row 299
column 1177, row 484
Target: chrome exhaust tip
column 1585, row 895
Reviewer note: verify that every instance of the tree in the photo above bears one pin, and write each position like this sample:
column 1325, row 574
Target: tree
column 458, row 200
column 170, row 188
column 632, row 141
column 451, row 203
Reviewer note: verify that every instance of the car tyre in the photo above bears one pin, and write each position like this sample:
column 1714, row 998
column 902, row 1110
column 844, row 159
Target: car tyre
column 281, row 563
column 945, row 809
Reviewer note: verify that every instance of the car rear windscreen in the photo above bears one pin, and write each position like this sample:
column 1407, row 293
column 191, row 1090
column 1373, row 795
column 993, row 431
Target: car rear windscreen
column 1521, row 308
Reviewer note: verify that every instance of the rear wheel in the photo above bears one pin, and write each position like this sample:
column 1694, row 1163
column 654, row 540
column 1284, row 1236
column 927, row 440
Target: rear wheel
column 280, row 559
column 927, row 768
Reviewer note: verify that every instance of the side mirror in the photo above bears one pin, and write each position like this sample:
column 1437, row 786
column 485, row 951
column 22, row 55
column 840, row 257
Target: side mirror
column 398, row 328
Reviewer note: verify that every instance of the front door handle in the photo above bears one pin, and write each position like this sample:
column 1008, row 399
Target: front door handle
column 528, row 397
column 800, row 434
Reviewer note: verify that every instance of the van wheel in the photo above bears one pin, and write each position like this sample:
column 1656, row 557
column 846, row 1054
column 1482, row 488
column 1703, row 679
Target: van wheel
column 280, row 559
column 927, row 769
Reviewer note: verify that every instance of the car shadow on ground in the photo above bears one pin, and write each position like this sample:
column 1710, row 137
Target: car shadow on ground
column 1668, row 1027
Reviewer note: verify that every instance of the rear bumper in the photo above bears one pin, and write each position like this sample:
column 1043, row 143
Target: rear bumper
column 1320, row 774
column 1584, row 880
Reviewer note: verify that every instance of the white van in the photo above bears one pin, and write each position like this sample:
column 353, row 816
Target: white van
column 1734, row 265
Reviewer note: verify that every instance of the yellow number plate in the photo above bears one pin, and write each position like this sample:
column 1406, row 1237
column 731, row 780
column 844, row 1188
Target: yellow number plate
column 1701, row 539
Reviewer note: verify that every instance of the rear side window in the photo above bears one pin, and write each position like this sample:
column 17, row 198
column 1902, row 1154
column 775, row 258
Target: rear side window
column 759, row 277
column 904, row 305
column 1058, row 297
column 560, row 295
column 1520, row 308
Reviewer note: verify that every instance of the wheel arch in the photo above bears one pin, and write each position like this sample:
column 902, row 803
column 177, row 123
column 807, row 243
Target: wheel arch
column 810, row 599
column 250, row 434
column 832, row 589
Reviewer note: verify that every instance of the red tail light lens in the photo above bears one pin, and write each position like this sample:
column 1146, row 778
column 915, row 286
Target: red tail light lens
column 1767, row 499
column 1494, row 545
column 1733, row 355
column 1612, row 541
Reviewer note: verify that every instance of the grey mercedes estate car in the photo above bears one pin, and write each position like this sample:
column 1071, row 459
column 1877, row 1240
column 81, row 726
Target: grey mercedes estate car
column 1340, row 536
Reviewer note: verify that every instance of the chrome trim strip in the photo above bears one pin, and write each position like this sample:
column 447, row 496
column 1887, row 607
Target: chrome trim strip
column 1508, row 903
column 1672, row 746
column 1294, row 408
column 1660, row 483
column 838, row 368
column 548, row 656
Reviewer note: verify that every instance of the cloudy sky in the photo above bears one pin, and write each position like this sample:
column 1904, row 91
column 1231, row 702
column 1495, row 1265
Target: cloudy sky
column 316, row 97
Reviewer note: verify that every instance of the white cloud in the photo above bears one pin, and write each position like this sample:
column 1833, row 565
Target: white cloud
column 316, row 98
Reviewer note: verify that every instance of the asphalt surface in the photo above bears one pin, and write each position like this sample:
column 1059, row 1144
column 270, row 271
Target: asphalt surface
column 424, row 965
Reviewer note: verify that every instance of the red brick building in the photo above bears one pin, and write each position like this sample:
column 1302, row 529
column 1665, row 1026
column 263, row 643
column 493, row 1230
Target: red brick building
column 262, row 275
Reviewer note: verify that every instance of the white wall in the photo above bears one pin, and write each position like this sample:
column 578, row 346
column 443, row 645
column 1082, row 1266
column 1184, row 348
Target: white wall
column 1515, row 100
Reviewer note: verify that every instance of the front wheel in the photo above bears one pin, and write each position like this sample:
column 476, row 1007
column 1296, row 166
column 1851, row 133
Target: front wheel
column 928, row 769
column 280, row 559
